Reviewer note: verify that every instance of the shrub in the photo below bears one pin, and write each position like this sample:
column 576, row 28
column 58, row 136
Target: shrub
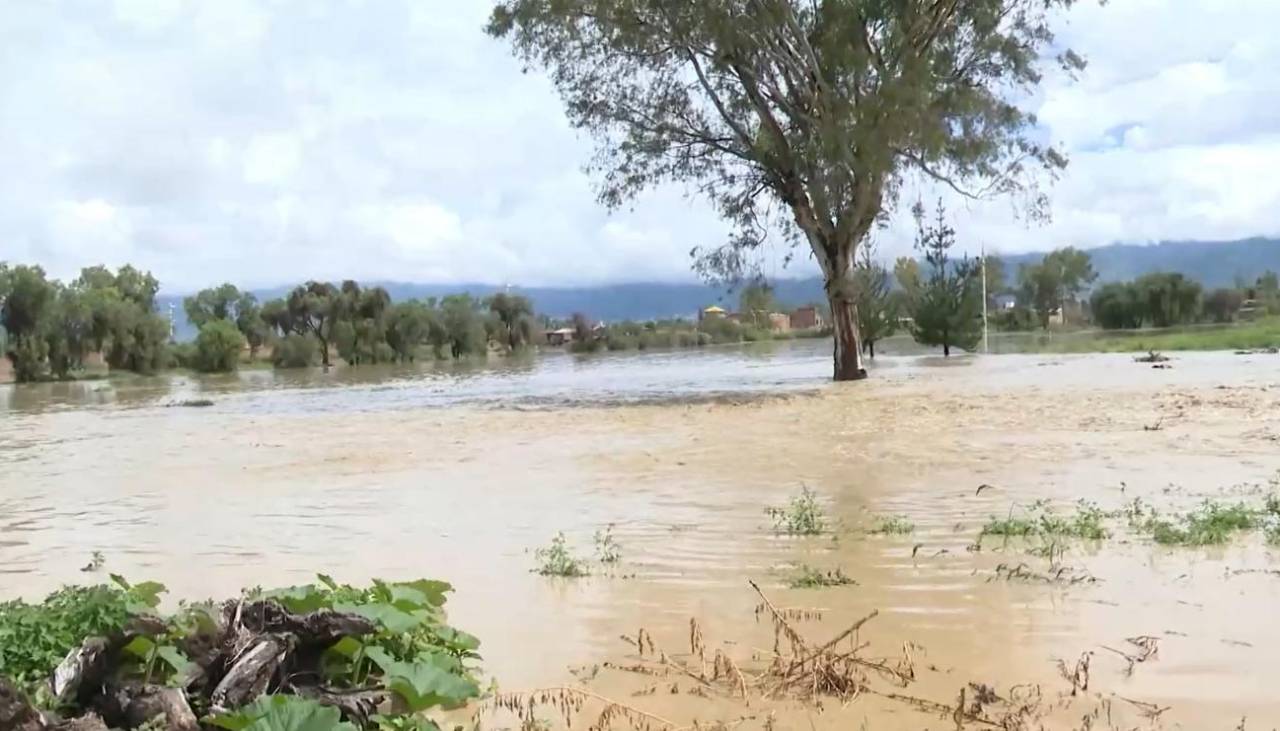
column 296, row 351
column 218, row 347
column 803, row 516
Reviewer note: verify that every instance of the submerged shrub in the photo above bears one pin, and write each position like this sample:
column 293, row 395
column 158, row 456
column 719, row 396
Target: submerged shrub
column 557, row 560
column 803, row 516
column 809, row 577
column 892, row 525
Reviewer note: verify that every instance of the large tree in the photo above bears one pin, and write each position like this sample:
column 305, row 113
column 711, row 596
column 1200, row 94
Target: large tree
column 820, row 105
column 315, row 307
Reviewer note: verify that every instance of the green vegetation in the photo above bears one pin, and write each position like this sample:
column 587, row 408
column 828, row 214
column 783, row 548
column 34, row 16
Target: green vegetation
column 1059, row 278
column 388, row 638
column 608, row 550
column 1210, row 525
column 808, row 577
column 945, row 307
column 1042, row 521
column 892, row 525
column 803, row 516
column 557, row 560
column 877, row 307
column 53, row 327
column 723, row 98
column 218, row 347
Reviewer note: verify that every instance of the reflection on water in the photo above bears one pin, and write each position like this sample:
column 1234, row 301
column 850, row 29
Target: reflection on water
column 363, row 473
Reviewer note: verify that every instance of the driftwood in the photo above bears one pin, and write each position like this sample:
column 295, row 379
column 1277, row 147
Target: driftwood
column 171, row 704
column 251, row 672
column 82, row 667
column 356, row 706
column 247, row 650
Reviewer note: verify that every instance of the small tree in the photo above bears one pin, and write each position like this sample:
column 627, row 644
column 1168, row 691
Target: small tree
column 218, row 347
column 1117, row 306
column 315, row 307
column 947, row 308
column 1222, row 304
column 756, row 303
column 295, row 350
column 514, row 314
column 877, row 308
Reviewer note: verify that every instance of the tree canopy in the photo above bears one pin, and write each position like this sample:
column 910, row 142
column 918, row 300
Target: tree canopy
column 818, row 106
column 946, row 307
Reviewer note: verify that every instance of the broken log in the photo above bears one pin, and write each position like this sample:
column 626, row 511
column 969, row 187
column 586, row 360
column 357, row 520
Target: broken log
column 83, row 667
column 153, row 701
column 322, row 627
column 251, row 672
column 356, row 706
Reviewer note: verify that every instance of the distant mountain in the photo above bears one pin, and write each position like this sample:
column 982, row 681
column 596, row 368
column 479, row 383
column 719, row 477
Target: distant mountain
column 1213, row 264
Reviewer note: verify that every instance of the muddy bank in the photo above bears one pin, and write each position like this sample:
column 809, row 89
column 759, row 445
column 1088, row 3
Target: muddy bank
column 261, row 497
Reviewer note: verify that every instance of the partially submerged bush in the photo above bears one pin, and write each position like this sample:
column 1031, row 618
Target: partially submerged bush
column 557, row 560
column 803, row 516
column 296, row 351
column 808, row 577
column 1212, row 524
column 892, row 525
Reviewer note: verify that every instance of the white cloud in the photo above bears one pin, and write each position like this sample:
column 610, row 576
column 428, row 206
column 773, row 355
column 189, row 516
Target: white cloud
column 266, row 143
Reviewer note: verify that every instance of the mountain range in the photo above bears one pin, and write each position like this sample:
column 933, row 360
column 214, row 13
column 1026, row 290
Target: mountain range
column 1213, row 264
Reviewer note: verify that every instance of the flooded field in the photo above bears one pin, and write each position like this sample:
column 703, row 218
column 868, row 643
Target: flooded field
column 461, row 475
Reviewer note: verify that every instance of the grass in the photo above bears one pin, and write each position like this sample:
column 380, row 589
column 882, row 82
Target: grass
column 1086, row 523
column 808, row 577
column 803, row 516
column 892, row 525
column 557, row 560
column 1259, row 334
column 1212, row 524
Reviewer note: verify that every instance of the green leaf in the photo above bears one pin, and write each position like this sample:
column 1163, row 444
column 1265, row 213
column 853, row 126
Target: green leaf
column 434, row 591
column 300, row 599
column 174, row 658
column 148, row 592
column 140, row 647
column 282, row 713
column 120, row 581
column 327, row 581
column 426, row 683
column 347, row 647
column 392, row 619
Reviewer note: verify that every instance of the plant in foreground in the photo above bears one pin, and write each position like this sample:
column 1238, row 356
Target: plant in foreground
column 803, row 516
column 1211, row 524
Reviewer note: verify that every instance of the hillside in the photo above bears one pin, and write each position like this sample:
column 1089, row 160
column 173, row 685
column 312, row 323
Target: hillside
column 1214, row 264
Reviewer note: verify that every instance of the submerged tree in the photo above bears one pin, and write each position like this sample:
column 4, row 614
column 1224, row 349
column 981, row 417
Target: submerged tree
column 819, row 106
column 946, row 309
column 314, row 308
column 877, row 308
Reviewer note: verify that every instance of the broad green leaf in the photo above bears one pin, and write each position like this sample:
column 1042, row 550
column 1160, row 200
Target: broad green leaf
column 148, row 592
column 300, row 599
column 282, row 713
column 347, row 647
column 392, row 619
column 426, row 683
column 140, row 647
column 327, row 581
column 434, row 591
column 120, row 581
column 174, row 658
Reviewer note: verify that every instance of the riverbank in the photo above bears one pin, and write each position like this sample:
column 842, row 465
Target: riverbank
column 256, row 492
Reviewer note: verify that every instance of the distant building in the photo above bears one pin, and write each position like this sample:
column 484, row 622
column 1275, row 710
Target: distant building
column 779, row 322
column 712, row 313
column 807, row 318
column 1005, row 301
column 563, row 336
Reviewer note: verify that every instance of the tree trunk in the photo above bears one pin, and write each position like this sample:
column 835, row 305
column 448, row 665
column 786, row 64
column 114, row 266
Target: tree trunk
column 844, row 323
column 324, row 351
column 946, row 350
column 871, row 349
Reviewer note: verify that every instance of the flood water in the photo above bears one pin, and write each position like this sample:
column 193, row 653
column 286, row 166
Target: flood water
column 461, row 474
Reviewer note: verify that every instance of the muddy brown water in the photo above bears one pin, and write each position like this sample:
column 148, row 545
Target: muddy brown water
column 377, row 477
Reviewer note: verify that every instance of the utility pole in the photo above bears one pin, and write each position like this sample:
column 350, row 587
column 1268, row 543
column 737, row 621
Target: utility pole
column 986, row 339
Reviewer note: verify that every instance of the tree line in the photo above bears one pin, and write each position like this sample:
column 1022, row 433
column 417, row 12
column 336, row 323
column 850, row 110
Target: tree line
column 52, row 328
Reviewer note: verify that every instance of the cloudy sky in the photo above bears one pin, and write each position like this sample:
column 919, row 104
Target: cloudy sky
column 267, row 141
